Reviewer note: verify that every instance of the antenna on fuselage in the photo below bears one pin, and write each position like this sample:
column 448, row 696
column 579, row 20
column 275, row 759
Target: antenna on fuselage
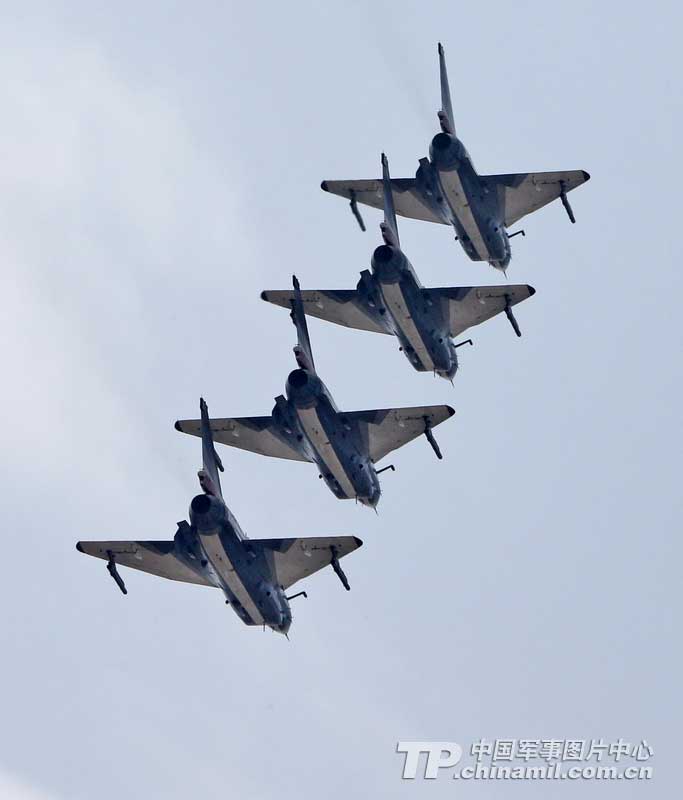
column 446, row 113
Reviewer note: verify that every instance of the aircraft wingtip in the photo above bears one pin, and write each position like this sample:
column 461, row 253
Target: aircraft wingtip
column 178, row 426
column 323, row 186
column 79, row 547
column 531, row 289
column 264, row 295
column 359, row 542
column 450, row 410
column 586, row 175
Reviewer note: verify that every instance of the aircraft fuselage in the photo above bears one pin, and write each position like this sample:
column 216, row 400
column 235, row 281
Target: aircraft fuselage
column 405, row 313
column 326, row 439
column 241, row 571
column 451, row 186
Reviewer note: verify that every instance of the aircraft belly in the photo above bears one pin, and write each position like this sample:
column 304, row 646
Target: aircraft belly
column 395, row 301
column 460, row 205
column 220, row 561
column 315, row 431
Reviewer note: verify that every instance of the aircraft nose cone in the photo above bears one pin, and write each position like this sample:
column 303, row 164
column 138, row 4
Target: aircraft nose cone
column 441, row 356
column 371, row 500
column 449, row 373
column 502, row 263
column 284, row 625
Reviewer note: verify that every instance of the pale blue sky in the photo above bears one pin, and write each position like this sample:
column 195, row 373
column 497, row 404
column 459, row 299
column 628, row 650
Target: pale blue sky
column 161, row 166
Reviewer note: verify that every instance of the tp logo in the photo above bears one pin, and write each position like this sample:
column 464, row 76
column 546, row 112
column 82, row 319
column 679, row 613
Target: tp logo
column 439, row 756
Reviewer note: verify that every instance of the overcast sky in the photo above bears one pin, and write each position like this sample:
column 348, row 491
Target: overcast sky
column 160, row 166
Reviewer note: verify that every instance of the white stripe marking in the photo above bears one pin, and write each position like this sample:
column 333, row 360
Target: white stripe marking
column 457, row 200
column 215, row 552
column 316, row 433
column 398, row 307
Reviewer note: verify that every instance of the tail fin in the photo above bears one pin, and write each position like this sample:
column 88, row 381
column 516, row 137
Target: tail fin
column 303, row 352
column 389, row 227
column 211, row 463
column 446, row 113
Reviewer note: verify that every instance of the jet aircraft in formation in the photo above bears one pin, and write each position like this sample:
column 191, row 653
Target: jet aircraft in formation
column 448, row 189
column 306, row 425
column 390, row 299
column 212, row 550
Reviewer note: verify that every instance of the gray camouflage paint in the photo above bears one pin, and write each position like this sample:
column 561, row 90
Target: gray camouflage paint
column 390, row 299
column 212, row 550
column 448, row 189
column 306, row 425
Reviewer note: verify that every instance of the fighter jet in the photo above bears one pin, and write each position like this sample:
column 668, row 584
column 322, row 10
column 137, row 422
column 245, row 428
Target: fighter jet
column 212, row 550
column 308, row 426
column 391, row 300
column 448, row 189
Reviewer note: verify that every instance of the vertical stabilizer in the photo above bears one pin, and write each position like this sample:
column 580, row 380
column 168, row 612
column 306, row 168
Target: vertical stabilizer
column 211, row 464
column 446, row 112
column 303, row 352
column 389, row 227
